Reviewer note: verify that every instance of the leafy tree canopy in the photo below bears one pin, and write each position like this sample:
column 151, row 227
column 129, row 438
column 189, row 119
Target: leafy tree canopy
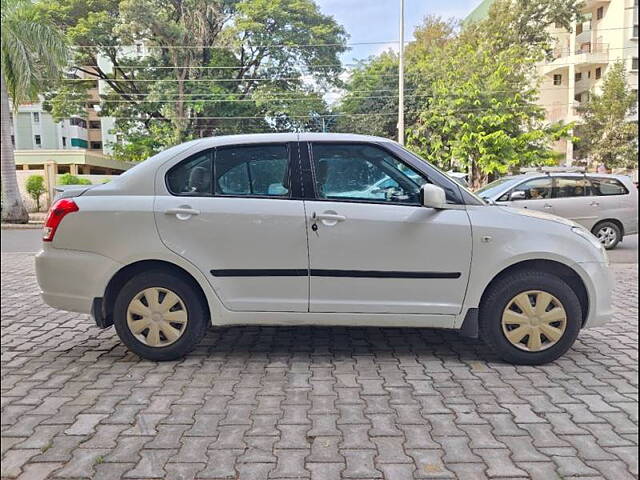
column 198, row 62
column 607, row 132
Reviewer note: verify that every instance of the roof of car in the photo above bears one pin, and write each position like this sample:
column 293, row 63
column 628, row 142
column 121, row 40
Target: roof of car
column 286, row 137
column 562, row 174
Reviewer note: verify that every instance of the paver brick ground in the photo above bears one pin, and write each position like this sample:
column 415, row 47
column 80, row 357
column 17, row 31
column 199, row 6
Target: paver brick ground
column 316, row 403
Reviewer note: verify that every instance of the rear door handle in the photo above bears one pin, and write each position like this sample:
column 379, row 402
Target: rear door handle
column 546, row 205
column 595, row 204
column 183, row 213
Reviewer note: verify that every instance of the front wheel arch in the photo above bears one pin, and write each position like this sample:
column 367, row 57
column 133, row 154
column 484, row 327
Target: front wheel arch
column 567, row 274
column 129, row 271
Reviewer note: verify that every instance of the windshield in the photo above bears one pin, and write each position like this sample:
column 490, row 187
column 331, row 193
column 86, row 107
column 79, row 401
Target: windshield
column 496, row 187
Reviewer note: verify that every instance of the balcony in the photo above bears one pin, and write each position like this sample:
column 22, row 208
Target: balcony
column 591, row 4
column 586, row 54
column 592, row 53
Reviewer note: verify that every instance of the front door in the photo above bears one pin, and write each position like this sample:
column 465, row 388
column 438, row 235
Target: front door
column 372, row 247
column 231, row 212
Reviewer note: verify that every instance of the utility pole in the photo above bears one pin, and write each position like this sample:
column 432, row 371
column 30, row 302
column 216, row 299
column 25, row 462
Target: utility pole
column 401, row 79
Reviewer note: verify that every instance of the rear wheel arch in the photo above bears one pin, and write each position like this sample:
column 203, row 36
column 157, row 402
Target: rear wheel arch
column 567, row 274
column 612, row 220
column 129, row 271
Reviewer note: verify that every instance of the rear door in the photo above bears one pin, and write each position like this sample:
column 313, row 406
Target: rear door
column 610, row 199
column 233, row 213
column 572, row 199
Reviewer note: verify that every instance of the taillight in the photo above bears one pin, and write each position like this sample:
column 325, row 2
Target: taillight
column 56, row 214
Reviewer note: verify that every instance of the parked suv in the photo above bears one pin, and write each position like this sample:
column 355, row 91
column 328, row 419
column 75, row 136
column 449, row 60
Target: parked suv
column 607, row 205
column 285, row 229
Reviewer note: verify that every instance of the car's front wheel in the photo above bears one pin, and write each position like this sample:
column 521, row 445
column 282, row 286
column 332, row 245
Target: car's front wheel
column 530, row 318
column 160, row 316
column 608, row 233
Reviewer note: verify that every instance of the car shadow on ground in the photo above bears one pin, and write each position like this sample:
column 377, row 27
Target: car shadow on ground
column 290, row 343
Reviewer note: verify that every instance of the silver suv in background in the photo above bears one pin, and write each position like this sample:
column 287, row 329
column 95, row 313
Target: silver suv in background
column 605, row 204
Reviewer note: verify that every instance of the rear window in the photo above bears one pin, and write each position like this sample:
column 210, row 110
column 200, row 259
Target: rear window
column 607, row 186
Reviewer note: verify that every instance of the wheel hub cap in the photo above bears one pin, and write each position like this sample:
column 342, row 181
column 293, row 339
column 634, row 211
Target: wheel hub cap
column 607, row 236
column 534, row 320
column 157, row 317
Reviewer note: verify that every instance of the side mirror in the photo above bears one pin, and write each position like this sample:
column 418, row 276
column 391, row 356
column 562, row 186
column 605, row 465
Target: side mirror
column 432, row 196
column 518, row 195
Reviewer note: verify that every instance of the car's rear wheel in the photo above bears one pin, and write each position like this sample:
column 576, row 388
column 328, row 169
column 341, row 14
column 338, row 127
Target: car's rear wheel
column 160, row 316
column 608, row 233
column 530, row 318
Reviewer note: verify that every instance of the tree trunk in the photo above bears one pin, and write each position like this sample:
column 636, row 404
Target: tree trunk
column 13, row 210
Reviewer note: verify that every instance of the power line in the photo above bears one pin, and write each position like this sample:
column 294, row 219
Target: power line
column 333, row 115
column 287, row 45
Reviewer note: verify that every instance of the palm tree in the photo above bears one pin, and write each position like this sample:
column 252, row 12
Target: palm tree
column 32, row 52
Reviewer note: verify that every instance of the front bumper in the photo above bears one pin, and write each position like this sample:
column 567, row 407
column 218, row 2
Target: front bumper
column 599, row 281
column 71, row 279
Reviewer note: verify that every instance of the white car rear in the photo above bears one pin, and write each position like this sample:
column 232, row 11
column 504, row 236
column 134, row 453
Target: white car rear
column 271, row 230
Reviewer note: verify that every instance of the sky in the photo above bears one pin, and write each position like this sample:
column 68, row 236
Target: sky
column 379, row 20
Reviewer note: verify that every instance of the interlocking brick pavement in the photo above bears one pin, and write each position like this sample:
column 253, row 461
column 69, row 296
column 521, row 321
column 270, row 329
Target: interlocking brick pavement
column 310, row 403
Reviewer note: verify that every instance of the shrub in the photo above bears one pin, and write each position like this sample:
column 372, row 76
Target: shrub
column 35, row 188
column 68, row 179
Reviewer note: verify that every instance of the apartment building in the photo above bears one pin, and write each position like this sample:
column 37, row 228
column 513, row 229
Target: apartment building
column 35, row 129
column 607, row 34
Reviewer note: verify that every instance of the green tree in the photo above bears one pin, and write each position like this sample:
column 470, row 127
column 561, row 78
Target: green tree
column 478, row 106
column 35, row 188
column 32, row 52
column 263, row 62
column 607, row 133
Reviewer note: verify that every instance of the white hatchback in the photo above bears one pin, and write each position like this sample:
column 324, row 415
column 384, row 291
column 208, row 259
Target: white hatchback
column 315, row 229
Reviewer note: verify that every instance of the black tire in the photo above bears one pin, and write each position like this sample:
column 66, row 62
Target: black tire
column 501, row 294
column 610, row 228
column 197, row 314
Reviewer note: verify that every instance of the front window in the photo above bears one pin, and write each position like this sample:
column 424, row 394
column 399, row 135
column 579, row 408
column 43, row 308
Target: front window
column 364, row 172
column 536, row 189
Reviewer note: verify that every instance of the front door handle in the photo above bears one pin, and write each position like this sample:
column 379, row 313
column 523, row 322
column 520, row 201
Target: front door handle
column 546, row 205
column 182, row 213
column 328, row 218
column 595, row 204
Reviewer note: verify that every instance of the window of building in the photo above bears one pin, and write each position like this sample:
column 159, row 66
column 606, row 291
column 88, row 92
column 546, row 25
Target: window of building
column 557, row 79
column 598, row 73
column 636, row 30
column 64, row 141
column 36, row 117
column 37, row 140
column 578, row 76
column 578, row 97
column 579, row 29
column 13, row 140
column 78, row 122
column 96, row 145
column 95, row 124
column 600, row 13
column 634, row 63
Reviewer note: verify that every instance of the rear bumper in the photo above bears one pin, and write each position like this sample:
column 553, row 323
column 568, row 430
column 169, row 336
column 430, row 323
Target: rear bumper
column 599, row 280
column 70, row 279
